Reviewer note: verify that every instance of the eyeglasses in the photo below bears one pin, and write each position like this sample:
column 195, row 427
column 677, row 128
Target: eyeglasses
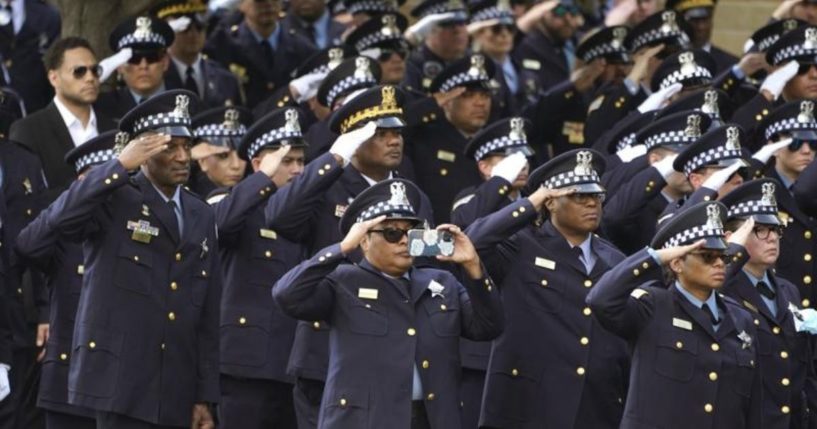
column 499, row 28
column 796, row 144
column 804, row 68
column 563, row 10
column 150, row 57
column 709, row 257
column 79, row 72
column 762, row 232
column 385, row 54
column 581, row 198
column 392, row 235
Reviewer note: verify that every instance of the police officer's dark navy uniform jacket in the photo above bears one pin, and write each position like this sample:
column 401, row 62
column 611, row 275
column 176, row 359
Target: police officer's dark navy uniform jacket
column 376, row 339
column 684, row 373
column 577, row 376
column 221, row 87
column 543, row 64
column 256, row 337
column 146, row 335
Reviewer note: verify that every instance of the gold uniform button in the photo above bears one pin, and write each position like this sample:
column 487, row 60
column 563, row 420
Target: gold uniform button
column 321, row 172
column 426, row 364
column 713, row 376
column 584, row 341
column 757, row 322
column 776, row 330
column 785, row 409
column 115, row 176
column 92, row 345
column 514, row 372
column 784, row 354
column 807, row 235
column 636, row 272
column 785, row 382
column 411, row 332
column 807, row 257
column 107, row 181
column 588, row 283
column 316, row 325
column 645, row 265
column 171, row 316
column 707, row 198
column 679, row 345
column 322, row 258
column 174, row 285
column 443, row 307
column 162, row 346
column 580, row 370
column 136, row 259
column 587, row 311
column 242, row 320
column 268, row 254
column 521, row 210
column 544, row 282
column 63, row 356
column 178, row 257
column 715, row 347
column 443, row 172
column 806, row 303
column 807, row 280
column 327, row 167
column 262, row 192
column 758, row 117
column 342, row 402
column 430, row 396
column 515, row 213
column 708, row 408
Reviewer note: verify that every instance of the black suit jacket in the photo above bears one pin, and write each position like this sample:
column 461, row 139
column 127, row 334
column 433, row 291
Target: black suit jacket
column 45, row 133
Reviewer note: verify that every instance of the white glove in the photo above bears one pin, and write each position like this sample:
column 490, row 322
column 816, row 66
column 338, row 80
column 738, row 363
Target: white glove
column 630, row 153
column 5, row 387
column 664, row 166
column 420, row 29
column 767, row 151
column 307, row 85
column 657, row 99
column 179, row 24
column 223, row 4
column 775, row 81
column 749, row 44
column 110, row 64
column 805, row 319
column 510, row 167
column 346, row 145
column 718, row 178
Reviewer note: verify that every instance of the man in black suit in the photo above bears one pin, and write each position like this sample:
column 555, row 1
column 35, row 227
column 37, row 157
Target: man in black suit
column 215, row 86
column 33, row 26
column 70, row 119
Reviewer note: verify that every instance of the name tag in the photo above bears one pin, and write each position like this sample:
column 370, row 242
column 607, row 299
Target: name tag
column 545, row 263
column 531, row 64
column 340, row 210
column 446, row 155
column 681, row 323
column 365, row 293
column 267, row 233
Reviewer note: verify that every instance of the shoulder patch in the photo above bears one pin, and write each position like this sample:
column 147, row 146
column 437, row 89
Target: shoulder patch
column 595, row 104
column 637, row 293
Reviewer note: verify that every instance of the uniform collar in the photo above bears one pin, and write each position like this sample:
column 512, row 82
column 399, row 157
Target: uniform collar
column 177, row 196
column 272, row 39
column 711, row 302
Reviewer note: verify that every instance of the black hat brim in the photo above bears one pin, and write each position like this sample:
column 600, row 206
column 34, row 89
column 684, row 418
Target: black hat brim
column 809, row 135
column 714, row 243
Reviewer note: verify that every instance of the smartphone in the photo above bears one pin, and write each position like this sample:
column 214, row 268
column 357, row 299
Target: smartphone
column 430, row 242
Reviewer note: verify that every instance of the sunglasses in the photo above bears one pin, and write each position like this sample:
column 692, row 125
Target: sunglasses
column 709, row 257
column 796, row 144
column 150, row 57
column 563, row 10
column 762, row 232
column 392, row 235
column 804, row 68
column 79, row 72
column 580, row 198
column 385, row 54
column 500, row 28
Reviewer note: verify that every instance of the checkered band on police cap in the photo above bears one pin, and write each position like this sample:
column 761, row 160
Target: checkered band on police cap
column 398, row 205
column 357, row 80
column 496, row 144
column 693, row 234
column 683, row 74
column 94, row 158
column 493, row 12
column 626, row 141
column 372, row 6
column 164, row 119
column 655, row 35
column 754, row 207
column 602, row 50
column 789, row 124
column 272, row 136
column 375, row 38
column 219, row 130
column 806, row 49
column 669, row 137
column 715, row 154
column 461, row 79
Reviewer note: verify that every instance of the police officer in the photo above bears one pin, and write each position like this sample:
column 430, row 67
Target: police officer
column 188, row 68
column 145, row 347
column 258, row 51
column 695, row 351
column 363, row 10
column 62, row 263
column 577, row 378
column 500, row 151
column 692, row 68
column 699, row 15
column 631, row 215
column 143, row 74
column 217, row 134
column 313, row 20
column 768, row 297
column 445, row 40
column 436, row 145
column 382, row 40
column 392, row 365
column 256, row 338
column 369, row 150
column 794, row 120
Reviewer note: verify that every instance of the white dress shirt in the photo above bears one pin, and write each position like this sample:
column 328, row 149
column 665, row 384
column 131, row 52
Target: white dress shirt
column 79, row 134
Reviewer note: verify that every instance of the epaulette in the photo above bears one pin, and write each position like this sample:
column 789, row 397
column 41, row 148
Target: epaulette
column 461, row 201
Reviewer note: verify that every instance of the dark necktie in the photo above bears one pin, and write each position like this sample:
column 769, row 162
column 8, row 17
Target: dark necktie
column 765, row 290
column 708, row 311
column 190, row 81
column 178, row 215
column 266, row 51
column 310, row 31
column 405, row 284
column 579, row 256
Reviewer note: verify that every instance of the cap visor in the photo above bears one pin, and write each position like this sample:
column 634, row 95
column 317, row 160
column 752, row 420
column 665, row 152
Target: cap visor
column 804, row 135
column 173, row 131
column 221, row 141
column 766, row 219
column 698, row 13
column 587, row 188
column 524, row 150
column 717, row 243
column 390, row 122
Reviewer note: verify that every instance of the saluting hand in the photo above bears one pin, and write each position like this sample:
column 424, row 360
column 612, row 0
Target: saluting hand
column 202, row 419
column 443, row 98
column 670, row 253
column 140, row 149
column 464, row 252
column 741, row 235
column 543, row 194
column 584, row 76
column 272, row 160
column 356, row 234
